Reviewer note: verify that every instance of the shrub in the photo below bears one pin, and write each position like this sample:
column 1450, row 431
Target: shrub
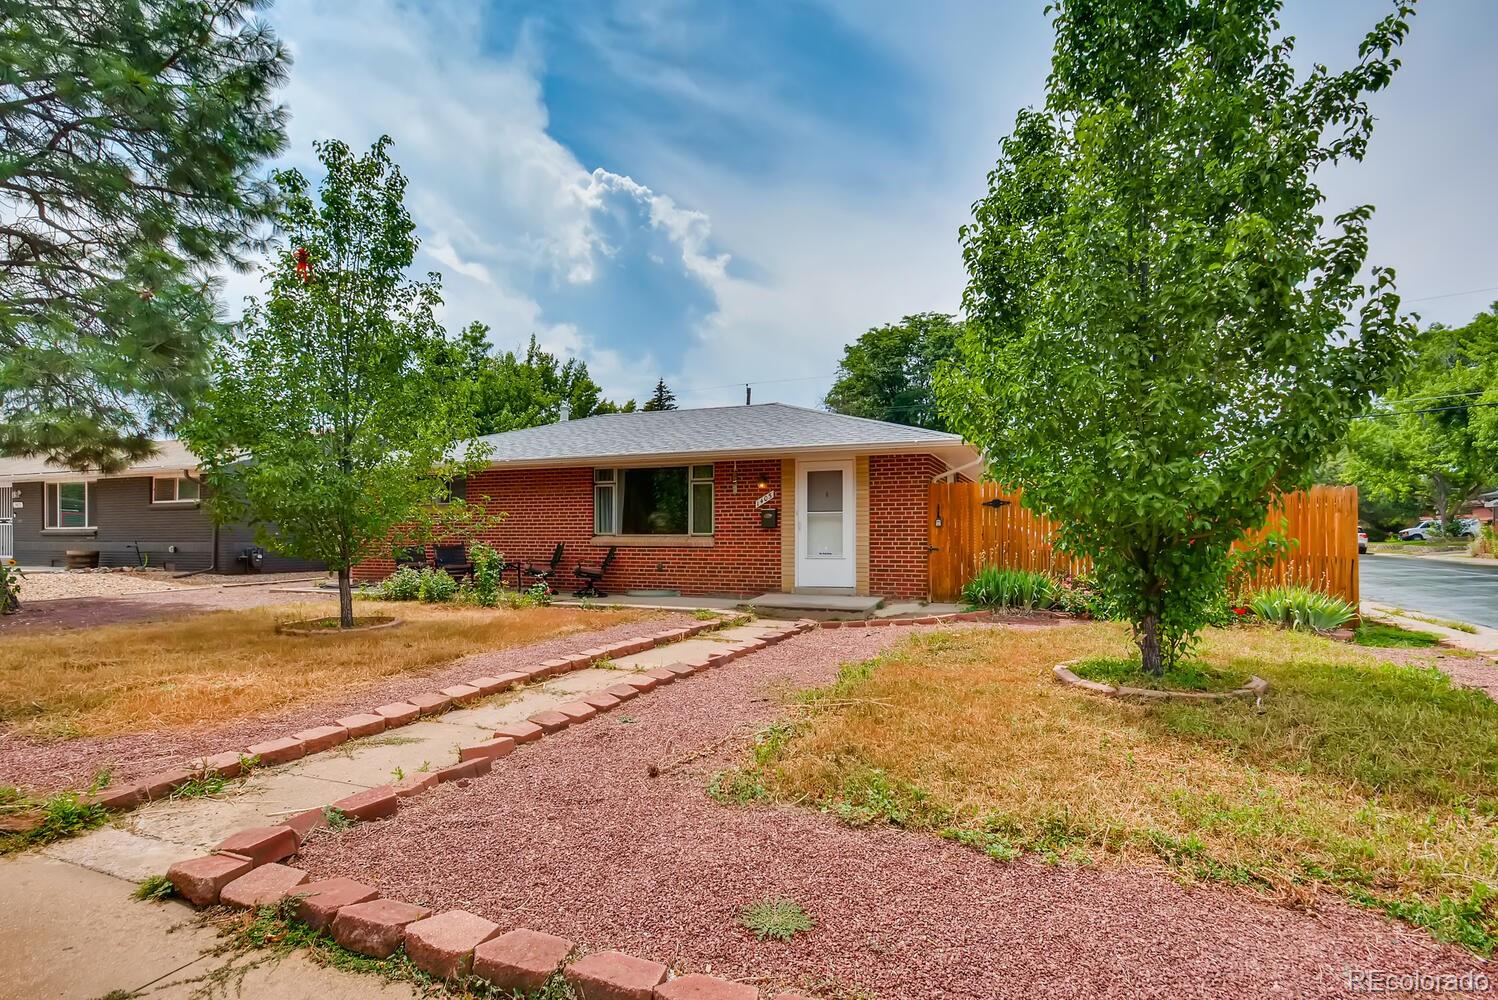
column 1011, row 588
column 1301, row 608
column 402, row 585
column 488, row 574
column 536, row 596
column 437, row 586
column 1486, row 542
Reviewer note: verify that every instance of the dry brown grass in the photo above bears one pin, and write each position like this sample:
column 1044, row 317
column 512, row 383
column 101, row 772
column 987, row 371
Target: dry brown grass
column 1376, row 781
column 134, row 678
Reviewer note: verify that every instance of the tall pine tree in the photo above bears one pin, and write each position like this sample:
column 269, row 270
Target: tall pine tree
column 131, row 132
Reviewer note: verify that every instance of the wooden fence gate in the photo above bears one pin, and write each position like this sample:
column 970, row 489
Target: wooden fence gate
column 969, row 529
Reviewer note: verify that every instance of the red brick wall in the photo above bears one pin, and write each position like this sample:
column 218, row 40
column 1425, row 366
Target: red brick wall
column 899, row 491
column 546, row 506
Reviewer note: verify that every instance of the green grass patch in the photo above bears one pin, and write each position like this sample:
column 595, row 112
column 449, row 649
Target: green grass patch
column 777, row 919
column 44, row 821
column 1192, row 676
column 155, row 889
column 1385, row 636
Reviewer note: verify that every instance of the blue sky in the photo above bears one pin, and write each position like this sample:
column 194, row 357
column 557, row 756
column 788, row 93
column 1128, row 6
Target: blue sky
column 716, row 192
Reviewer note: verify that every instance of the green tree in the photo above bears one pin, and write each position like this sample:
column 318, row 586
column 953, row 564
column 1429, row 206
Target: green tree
column 1158, row 312
column 887, row 373
column 512, row 391
column 1430, row 440
column 334, row 417
column 131, row 132
column 661, row 399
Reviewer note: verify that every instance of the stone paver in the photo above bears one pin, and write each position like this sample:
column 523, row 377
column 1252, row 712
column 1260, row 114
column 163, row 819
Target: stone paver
column 442, row 945
column 264, row 886
column 320, row 901
column 376, row 927
column 613, row 975
column 696, row 986
column 260, row 845
column 520, row 959
column 200, row 880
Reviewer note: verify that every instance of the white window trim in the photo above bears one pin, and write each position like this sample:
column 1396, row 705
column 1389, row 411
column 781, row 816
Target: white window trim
column 56, row 508
column 615, row 485
column 176, row 487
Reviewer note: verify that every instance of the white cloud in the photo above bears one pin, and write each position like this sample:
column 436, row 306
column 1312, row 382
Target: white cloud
column 504, row 211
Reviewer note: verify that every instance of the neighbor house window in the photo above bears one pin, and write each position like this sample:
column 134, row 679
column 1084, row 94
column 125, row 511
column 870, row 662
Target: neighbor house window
column 672, row 500
column 67, row 505
column 171, row 490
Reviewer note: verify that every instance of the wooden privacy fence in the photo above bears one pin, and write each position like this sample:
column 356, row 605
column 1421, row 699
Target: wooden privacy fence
column 968, row 530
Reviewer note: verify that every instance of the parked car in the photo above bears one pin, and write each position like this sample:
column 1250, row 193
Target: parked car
column 1362, row 541
column 1431, row 528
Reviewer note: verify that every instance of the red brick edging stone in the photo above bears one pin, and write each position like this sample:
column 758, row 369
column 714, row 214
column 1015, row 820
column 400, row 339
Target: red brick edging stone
column 1255, row 688
column 232, row 763
column 246, row 871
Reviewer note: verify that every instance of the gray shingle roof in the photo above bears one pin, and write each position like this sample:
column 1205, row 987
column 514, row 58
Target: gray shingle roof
column 763, row 427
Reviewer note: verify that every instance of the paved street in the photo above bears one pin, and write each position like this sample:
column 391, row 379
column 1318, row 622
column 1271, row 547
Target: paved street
column 1444, row 589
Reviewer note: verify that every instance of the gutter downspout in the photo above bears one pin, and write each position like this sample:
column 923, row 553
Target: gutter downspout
column 213, row 560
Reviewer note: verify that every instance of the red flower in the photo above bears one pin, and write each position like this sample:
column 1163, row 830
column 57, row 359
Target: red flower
column 303, row 264
column 1240, row 611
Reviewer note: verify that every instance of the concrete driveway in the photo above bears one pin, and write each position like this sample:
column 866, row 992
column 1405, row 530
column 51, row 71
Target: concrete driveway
column 1467, row 593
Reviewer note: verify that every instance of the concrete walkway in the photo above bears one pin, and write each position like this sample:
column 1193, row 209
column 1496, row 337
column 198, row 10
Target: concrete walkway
column 84, row 936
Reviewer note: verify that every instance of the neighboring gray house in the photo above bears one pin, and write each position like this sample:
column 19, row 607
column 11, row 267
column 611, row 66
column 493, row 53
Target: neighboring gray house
column 150, row 514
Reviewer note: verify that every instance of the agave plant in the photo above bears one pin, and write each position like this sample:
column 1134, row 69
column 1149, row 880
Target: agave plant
column 1301, row 608
column 1011, row 588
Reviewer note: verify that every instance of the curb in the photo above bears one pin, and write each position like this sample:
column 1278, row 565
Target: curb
column 1256, row 688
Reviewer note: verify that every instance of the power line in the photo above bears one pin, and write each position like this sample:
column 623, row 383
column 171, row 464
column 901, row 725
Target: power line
column 1452, row 295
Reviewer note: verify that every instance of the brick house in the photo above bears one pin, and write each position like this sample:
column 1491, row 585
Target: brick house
column 734, row 501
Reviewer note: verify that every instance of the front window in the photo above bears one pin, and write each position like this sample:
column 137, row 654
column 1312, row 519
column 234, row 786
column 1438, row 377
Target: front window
column 171, row 490
column 67, row 505
column 671, row 500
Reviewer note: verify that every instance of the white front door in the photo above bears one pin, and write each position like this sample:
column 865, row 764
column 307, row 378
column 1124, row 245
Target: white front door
column 825, row 513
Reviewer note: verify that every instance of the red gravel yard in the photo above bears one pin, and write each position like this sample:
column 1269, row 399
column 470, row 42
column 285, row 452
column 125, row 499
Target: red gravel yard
column 605, row 834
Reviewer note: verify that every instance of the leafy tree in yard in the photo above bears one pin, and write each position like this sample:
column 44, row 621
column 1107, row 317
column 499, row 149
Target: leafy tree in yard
column 1158, row 313
column 1433, row 439
column 887, row 373
column 334, row 417
column 512, row 391
column 130, row 134
column 662, row 399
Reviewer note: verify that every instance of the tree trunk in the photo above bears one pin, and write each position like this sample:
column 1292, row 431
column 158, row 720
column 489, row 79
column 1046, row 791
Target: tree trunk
column 345, row 598
column 1148, row 639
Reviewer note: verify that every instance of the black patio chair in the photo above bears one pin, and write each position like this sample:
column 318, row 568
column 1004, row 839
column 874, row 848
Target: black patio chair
column 542, row 573
column 414, row 556
column 453, row 559
column 591, row 576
